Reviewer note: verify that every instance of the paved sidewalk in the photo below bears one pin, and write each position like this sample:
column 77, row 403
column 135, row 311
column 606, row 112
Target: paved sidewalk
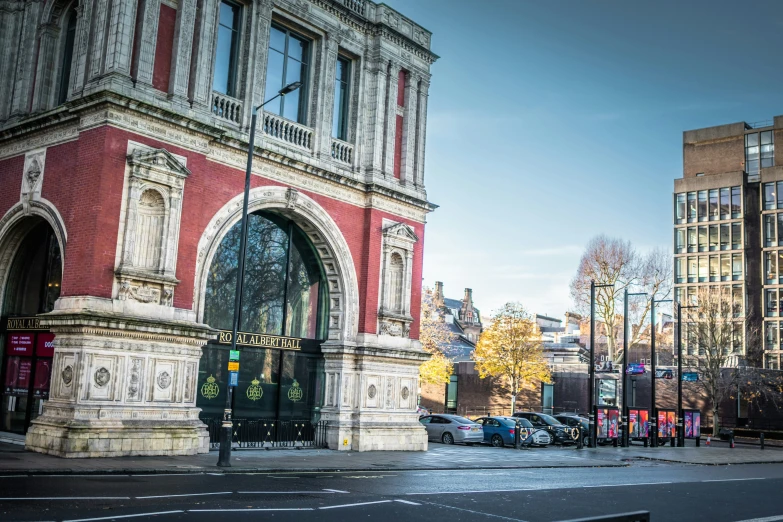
column 15, row 460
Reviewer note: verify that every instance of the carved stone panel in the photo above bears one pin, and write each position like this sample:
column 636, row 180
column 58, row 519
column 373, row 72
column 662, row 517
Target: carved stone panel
column 164, row 376
column 33, row 175
column 101, row 378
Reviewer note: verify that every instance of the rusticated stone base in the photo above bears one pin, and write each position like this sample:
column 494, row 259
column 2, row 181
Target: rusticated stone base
column 378, row 437
column 118, row 439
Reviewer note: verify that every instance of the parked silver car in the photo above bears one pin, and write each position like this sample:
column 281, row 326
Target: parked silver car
column 449, row 429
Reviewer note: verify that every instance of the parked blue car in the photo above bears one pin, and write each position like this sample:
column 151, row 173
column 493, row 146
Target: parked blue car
column 499, row 431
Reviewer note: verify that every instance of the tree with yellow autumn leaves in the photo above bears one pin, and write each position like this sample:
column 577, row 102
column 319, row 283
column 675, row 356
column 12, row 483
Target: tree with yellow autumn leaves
column 511, row 349
column 435, row 338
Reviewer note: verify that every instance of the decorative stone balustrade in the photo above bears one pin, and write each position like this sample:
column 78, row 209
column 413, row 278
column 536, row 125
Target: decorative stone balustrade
column 227, row 108
column 288, row 131
column 342, row 151
column 357, row 6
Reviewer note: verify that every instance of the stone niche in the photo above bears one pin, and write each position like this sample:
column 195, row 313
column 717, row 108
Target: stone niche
column 120, row 385
column 394, row 313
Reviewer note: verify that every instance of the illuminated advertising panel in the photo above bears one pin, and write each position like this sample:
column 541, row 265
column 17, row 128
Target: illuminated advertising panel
column 692, row 424
column 638, row 424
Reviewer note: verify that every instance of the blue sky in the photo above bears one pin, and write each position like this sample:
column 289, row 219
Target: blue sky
column 553, row 121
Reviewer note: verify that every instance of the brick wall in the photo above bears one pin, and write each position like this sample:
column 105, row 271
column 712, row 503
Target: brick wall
column 163, row 49
column 714, row 157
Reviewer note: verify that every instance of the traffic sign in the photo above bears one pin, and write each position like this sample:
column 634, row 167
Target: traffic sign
column 233, row 366
column 233, row 379
column 233, row 355
column 690, row 376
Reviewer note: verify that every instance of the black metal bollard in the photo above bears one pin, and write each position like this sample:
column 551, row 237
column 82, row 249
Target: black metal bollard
column 579, row 441
column 516, row 437
column 761, row 439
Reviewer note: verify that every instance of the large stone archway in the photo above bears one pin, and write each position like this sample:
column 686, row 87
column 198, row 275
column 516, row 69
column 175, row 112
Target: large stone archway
column 323, row 233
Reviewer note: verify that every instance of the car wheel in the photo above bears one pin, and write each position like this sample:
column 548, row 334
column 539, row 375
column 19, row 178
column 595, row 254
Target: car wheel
column 586, row 440
column 447, row 438
column 497, row 441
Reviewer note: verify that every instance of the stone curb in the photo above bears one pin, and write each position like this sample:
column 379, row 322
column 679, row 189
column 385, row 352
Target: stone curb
column 656, row 459
column 156, row 471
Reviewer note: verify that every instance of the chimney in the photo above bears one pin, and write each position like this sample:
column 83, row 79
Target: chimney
column 467, row 313
column 437, row 297
column 468, row 297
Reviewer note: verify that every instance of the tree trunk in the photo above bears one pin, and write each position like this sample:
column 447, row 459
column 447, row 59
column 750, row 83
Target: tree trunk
column 610, row 342
column 513, row 403
column 715, row 422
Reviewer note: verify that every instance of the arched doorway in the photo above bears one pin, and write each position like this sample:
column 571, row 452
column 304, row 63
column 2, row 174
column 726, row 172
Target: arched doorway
column 32, row 286
column 284, row 316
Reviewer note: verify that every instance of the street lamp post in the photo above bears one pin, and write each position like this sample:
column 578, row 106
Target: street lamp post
column 680, row 413
column 625, row 366
column 591, row 383
column 224, row 456
column 654, row 423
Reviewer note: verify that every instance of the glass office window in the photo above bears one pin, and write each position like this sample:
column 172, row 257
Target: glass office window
column 287, row 63
column 770, row 201
column 226, row 49
column 678, row 291
column 725, row 203
column 780, row 266
column 703, row 269
column 737, row 299
column 714, row 242
column 691, row 207
column 736, row 266
column 752, row 153
column 703, row 214
column 714, row 209
column 771, row 335
column 692, row 295
column 736, row 236
column 714, row 268
column 341, row 90
column 770, row 270
column 679, row 269
column 767, row 149
column 679, row 208
column 736, row 202
column 771, row 302
column 725, row 267
column 679, row 241
column 703, row 244
column 725, row 236
column 692, row 240
column 780, row 228
column 770, row 238
column 692, row 270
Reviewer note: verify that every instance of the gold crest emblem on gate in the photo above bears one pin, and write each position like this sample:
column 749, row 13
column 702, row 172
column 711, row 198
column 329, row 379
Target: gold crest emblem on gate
column 210, row 389
column 254, row 391
column 295, row 394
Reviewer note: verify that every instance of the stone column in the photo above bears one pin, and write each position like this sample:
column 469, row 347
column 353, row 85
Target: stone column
column 95, row 53
column 27, row 46
column 48, row 71
column 80, row 47
column 11, row 19
column 120, row 386
column 146, row 40
column 370, row 399
column 409, row 130
column 391, row 120
column 377, row 80
column 183, row 47
column 204, row 54
column 421, row 136
column 119, row 41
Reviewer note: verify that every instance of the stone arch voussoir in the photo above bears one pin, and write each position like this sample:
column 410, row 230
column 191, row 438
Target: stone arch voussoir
column 323, row 233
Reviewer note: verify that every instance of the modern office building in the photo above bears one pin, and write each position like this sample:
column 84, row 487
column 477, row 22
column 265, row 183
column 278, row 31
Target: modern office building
column 728, row 228
column 124, row 129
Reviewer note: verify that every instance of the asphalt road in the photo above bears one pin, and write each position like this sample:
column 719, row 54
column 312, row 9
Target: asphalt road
column 669, row 492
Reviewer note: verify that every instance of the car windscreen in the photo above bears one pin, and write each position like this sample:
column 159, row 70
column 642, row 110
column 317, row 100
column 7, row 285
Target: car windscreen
column 507, row 422
column 460, row 420
column 521, row 421
column 549, row 419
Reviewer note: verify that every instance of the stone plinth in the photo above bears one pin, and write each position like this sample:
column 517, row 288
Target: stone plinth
column 370, row 394
column 121, row 385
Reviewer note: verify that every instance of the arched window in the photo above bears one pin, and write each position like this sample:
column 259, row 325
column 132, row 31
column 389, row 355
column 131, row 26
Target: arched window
column 35, row 274
column 396, row 270
column 284, row 291
column 149, row 230
column 69, row 26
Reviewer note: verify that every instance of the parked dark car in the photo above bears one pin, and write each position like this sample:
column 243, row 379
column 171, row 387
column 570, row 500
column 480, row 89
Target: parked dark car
column 499, row 431
column 572, row 420
column 561, row 434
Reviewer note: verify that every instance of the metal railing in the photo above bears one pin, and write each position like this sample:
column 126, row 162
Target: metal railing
column 226, row 107
column 270, row 433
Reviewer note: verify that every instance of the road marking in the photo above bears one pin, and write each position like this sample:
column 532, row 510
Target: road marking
column 766, row 519
column 124, row 516
column 408, row 502
column 13, row 476
column 273, row 476
column 65, row 498
column 336, row 491
column 621, row 485
column 358, row 504
column 167, row 474
column 245, row 509
column 476, row 491
column 474, row 512
column 189, row 495
column 368, row 476
column 320, row 491
column 733, row 480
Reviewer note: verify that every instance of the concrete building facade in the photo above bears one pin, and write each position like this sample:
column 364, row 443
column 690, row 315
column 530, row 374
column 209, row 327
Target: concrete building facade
column 123, row 141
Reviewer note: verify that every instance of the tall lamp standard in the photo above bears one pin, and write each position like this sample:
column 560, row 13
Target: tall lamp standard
column 591, row 384
column 680, row 413
column 654, row 423
column 224, row 457
column 625, row 365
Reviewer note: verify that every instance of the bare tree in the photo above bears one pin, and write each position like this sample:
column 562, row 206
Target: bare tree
column 611, row 261
column 714, row 329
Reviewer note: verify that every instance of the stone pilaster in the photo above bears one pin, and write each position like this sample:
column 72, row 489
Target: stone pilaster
column 391, row 119
column 11, row 18
column 257, row 57
column 370, row 395
column 377, row 79
column 324, row 119
column 98, row 41
column 146, row 40
column 121, row 385
column 183, row 46
column 48, row 69
column 25, row 59
column 81, row 47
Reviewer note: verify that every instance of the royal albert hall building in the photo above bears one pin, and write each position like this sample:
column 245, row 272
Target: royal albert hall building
column 124, row 127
